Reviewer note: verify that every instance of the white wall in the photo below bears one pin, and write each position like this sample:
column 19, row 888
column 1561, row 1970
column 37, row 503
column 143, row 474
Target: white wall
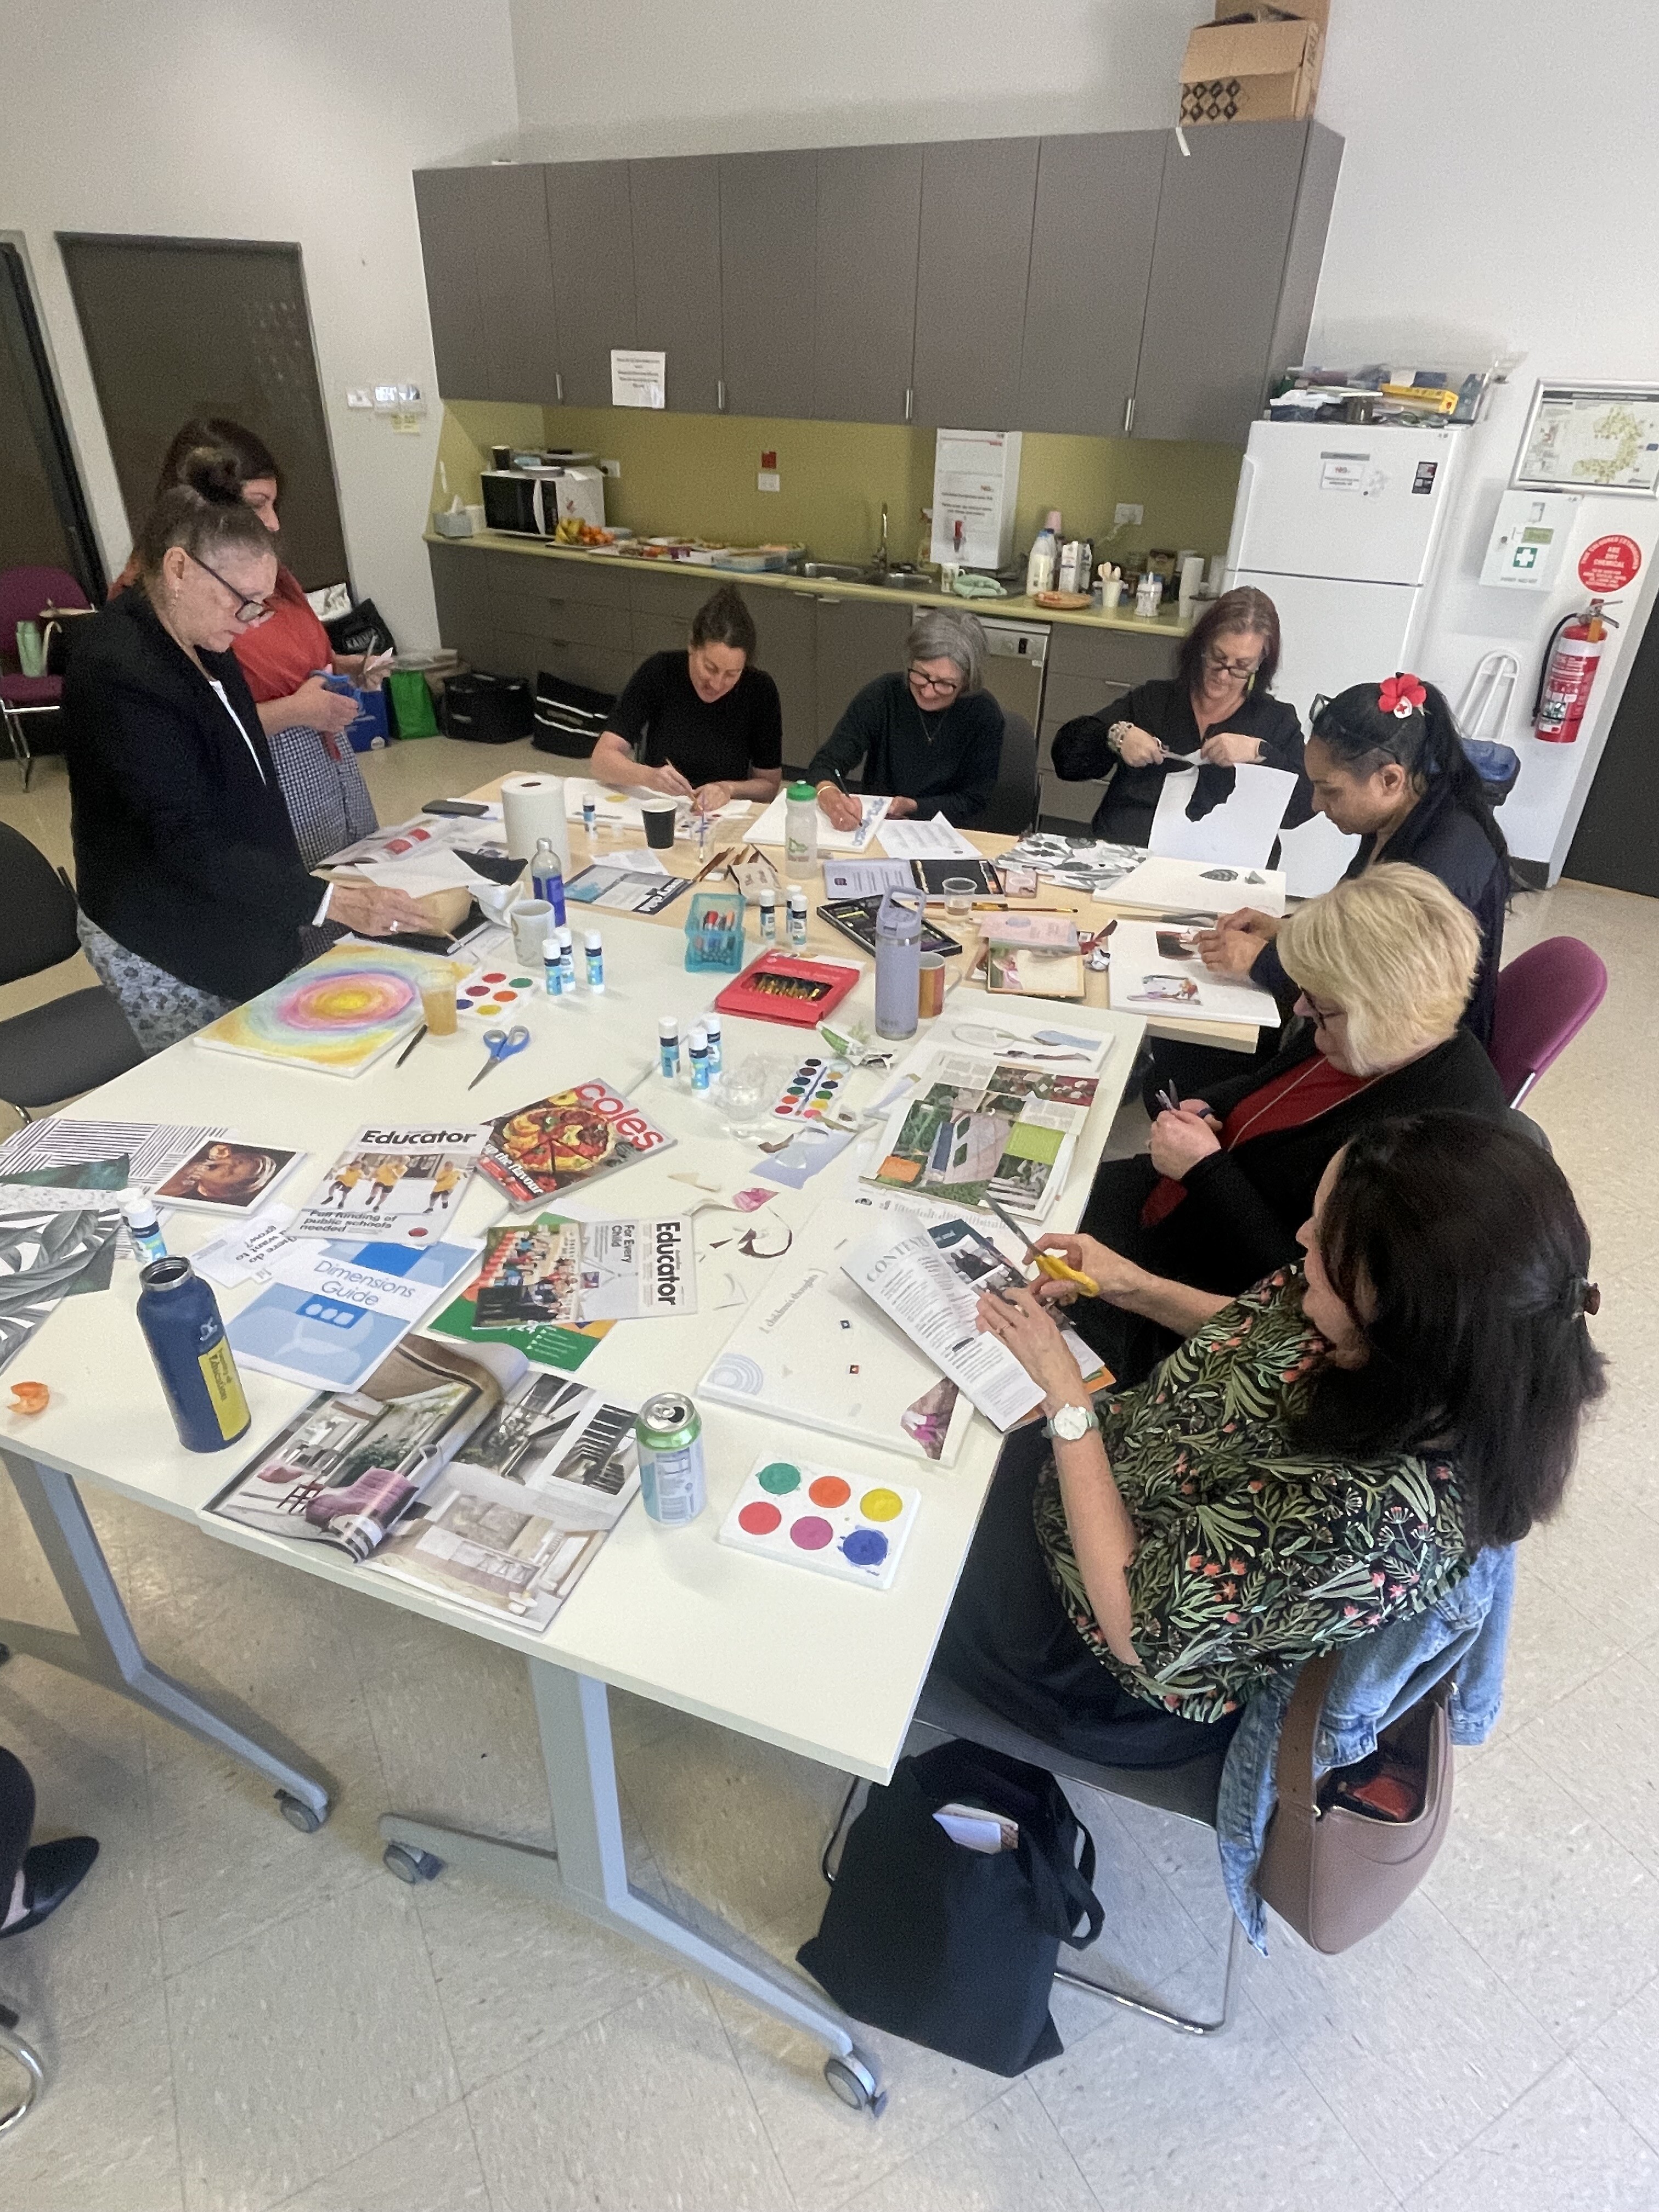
column 301, row 122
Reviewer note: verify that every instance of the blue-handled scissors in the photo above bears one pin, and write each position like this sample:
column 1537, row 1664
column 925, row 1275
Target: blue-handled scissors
column 500, row 1044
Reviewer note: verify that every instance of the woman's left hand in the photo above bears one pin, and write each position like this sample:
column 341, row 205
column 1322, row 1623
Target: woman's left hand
column 1227, row 748
column 1179, row 1141
column 711, row 798
column 1229, row 951
column 1032, row 1335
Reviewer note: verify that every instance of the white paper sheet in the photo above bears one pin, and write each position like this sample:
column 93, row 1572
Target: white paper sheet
column 938, row 840
column 866, row 879
column 420, row 872
column 1199, row 887
column 1167, row 981
column 637, row 860
column 1316, row 853
column 1240, row 832
column 769, row 830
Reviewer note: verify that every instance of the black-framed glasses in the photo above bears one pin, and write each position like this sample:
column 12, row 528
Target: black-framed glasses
column 249, row 612
column 949, row 685
column 1225, row 667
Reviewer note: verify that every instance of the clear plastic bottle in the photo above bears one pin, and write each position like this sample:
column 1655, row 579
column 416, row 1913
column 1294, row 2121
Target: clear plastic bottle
column 1044, row 563
column 801, row 830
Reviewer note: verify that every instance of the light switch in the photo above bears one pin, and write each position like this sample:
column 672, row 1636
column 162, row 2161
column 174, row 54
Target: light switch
column 768, row 480
column 359, row 395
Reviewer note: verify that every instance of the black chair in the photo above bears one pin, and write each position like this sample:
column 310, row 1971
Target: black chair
column 72, row 1043
column 1012, row 806
column 945, row 1712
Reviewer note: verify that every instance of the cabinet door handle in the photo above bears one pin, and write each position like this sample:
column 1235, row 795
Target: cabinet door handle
column 826, row 602
column 1128, row 414
column 558, row 387
column 720, row 396
column 909, row 402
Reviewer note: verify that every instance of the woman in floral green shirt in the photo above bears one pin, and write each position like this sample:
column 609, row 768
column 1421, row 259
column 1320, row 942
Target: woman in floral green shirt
column 1322, row 1455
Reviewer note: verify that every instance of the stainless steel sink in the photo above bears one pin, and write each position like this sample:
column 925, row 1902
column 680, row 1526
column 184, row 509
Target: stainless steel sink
column 901, row 580
column 839, row 572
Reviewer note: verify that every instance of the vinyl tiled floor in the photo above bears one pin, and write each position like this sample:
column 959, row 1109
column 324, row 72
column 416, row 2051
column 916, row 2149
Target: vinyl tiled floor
column 240, row 2017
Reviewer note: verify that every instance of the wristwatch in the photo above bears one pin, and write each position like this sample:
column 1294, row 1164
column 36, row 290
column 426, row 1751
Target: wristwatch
column 1071, row 1424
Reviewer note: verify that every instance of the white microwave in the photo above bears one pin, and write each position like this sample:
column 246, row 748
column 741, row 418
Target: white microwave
column 531, row 502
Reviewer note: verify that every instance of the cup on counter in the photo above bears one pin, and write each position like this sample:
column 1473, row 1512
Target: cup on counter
column 1111, row 590
column 658, row 809
column 438, row 1008
column 930, row 987
column 530, row 920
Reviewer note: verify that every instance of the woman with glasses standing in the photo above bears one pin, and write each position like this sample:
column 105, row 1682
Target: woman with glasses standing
column 930, row 739
column 1218, row 708
column 192, row 891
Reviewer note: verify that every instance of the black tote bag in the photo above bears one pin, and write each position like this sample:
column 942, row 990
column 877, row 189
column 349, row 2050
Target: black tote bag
column 948, row 1947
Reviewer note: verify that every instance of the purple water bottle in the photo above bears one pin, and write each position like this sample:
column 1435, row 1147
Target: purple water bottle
column 898, row 963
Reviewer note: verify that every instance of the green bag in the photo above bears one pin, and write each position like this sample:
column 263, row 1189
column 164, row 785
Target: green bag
column 413, row 713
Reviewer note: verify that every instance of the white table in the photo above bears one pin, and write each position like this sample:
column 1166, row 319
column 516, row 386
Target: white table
column 670, row 1615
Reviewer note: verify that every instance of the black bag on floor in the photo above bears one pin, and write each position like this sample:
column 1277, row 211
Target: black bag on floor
column 489, row 710
column 361, row 628
column 569, row 716
column 953, row 1948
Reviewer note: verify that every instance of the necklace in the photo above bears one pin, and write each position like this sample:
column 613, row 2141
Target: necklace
column 1279, row 1098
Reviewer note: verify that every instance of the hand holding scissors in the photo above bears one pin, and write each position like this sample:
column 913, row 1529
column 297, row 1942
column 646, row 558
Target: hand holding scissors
column 500, row 1044
column 1048, row 1263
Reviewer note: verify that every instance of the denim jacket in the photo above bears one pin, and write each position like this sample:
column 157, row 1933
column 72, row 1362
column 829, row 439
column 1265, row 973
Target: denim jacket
column 1379, row 1678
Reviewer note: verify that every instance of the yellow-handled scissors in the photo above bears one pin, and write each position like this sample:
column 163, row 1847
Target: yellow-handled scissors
column 1048, row 1263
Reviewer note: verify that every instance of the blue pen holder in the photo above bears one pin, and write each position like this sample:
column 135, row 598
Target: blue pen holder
column 713, row 931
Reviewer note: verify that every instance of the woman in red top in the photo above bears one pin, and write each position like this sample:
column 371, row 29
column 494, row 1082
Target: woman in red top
column 304, row 722
column 1384, row 964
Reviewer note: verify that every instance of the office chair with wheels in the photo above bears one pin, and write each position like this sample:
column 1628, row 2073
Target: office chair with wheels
column 1544, row 997
column 24, row 595
column 1012, row 806
column 71, row 1043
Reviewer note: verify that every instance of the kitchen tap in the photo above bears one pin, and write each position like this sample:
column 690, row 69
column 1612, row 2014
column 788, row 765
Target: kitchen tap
column 881, row 562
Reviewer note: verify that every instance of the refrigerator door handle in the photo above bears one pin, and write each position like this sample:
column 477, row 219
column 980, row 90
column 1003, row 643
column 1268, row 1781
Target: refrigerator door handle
column 1240, row 514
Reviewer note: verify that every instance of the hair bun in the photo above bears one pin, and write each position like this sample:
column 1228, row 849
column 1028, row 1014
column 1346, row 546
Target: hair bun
column 212, row 471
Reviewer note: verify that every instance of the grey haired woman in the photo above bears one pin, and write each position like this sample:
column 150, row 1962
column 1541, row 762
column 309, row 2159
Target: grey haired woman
column 930, row 739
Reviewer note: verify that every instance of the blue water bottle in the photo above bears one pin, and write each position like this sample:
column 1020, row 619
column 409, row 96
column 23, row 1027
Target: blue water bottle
column 547, row 878
column 180, row 1316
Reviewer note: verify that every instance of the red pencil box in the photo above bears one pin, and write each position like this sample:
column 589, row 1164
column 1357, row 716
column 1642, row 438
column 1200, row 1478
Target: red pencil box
column 779, row 987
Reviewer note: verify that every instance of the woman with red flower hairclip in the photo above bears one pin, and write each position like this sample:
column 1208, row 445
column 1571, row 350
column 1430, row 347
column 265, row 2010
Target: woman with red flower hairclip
column 1387, row 765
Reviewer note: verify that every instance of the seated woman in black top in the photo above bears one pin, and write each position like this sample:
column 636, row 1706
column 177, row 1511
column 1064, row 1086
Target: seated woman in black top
column 1217, row 707
column 192, row 889
column 704, row 724
column 1386, row 764
column 930, row 739
column 1383, row 965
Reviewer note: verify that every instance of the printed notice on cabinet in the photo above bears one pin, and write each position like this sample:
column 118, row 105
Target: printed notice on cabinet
column 638, row 380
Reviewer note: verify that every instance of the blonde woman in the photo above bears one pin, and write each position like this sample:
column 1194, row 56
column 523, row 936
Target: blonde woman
column 1383, row 965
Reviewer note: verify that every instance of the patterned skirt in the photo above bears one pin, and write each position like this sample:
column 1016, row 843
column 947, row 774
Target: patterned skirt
column 160, row 1010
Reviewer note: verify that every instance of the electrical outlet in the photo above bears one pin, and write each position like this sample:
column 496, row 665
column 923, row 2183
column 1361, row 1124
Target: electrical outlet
column 767, row 480
column 358, row 395
column 611, row 468
column 1128, row 511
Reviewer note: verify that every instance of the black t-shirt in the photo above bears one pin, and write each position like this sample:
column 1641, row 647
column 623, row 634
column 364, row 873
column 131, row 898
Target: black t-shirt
column 661, row 717
column 1163, row 707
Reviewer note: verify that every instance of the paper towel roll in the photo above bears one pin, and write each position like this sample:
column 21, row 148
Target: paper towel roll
column 1192, row 578
column 532, row 807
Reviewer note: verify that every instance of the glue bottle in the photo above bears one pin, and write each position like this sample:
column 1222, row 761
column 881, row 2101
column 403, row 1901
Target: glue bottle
column 552, row 965
column 768, row 917
column 594, row 951
column 668, row 1047
column 699, row 1057
column 797, row 918
column 144, row 1231
column 567, row 962
column 711, row 1025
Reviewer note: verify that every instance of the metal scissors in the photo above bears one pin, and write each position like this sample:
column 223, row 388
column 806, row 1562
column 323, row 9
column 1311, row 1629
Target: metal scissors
column 1048, row 1263
column 500, row 1044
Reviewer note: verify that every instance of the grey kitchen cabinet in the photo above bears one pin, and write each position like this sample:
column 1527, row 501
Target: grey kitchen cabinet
column 786, row 633
column 868, row 233
column 1091, row 259
column 591, row 237
column 515, row 262
column 978, row 199
column 676, row 207
column 768, row 240
column 446, row 209
column 856, row 641
column 1242, row 218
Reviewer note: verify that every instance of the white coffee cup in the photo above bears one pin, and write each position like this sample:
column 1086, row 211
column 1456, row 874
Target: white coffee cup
column 531, row 919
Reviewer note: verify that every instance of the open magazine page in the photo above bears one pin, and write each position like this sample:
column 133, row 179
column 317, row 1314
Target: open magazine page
column 399, row 1183
column 980, row 1127
column 524, row 1504
column 354, row 1461
column 930, row 1284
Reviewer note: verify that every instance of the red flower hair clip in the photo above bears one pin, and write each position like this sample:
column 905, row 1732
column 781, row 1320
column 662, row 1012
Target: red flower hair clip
column 1400, row 695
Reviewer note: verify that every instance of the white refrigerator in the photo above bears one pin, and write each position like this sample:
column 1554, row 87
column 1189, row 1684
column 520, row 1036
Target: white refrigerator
column 1341, row 524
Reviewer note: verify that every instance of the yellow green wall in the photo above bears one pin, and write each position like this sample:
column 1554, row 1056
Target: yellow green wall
column 695, row 474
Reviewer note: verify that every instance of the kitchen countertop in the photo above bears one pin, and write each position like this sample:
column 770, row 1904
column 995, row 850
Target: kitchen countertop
column 1009, row 610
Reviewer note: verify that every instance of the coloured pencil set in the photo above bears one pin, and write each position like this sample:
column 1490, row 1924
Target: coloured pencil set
column 781, row 987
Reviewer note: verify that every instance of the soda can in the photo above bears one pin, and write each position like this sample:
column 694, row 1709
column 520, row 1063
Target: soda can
column 180, row 1316
column 670, row 1431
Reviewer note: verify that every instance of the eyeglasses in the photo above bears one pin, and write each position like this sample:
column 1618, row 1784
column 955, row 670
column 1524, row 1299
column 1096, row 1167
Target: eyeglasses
column 1223, row 666
column 249, row 612
column 946, row 686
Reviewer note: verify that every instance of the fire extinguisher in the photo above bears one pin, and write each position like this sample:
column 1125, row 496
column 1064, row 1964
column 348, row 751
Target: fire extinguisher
column 1565, row 682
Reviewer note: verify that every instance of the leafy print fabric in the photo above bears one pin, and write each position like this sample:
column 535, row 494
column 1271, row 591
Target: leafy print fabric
column 1252, row 1558
column 41, row 1256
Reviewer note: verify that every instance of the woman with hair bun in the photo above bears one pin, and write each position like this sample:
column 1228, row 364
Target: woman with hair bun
column 1386, row 764
column 192, row 891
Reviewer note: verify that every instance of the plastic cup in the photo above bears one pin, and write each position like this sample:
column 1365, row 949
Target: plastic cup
column 438, row 1008
column 959, row 897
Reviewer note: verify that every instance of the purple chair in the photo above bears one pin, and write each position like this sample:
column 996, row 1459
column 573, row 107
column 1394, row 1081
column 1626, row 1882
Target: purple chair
column 1544, row 997
column 24, row 595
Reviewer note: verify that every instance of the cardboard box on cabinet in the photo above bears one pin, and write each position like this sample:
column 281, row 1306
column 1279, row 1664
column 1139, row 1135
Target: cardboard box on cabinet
column 1254, row 65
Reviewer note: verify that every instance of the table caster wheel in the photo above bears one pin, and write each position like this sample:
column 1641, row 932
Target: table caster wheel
column 410, row 1865
column 299, row 1814
column 853, row 2082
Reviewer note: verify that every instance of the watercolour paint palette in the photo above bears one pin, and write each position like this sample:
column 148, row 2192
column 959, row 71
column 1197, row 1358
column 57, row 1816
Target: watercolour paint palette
column 810, row 1094
column 494, row 989
column 851, row 1526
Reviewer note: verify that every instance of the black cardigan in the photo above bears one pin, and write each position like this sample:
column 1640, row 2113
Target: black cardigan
column 183, row 852
column 1243, row 1208
column 1163, row 707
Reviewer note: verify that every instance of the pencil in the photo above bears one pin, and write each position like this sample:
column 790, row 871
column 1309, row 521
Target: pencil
column 410, row 1046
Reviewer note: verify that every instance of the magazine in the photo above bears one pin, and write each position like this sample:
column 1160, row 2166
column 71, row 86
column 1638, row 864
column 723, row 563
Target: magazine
column 457, row 1470
column 1195, row 887
column 624, row 890
column 401, row 1182
column 553, row 1270
column 982, row 1127
column 1157, row 970
column 1086, row 865
column 1034, row 956
column 330, row 1312
column 566, row 1138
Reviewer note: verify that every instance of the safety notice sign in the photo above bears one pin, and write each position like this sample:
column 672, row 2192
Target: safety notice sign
column 1609, row 564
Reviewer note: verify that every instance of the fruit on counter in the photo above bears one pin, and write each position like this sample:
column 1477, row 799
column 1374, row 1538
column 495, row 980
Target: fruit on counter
column 573, row 531
column 29, row 1397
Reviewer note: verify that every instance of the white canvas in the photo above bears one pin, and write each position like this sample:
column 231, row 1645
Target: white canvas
column 1193, row 887
column 1240, row 832
column 1162, row 985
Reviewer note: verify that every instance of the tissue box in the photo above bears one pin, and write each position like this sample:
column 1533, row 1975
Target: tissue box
column 454, row 524
column 1242, row 69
